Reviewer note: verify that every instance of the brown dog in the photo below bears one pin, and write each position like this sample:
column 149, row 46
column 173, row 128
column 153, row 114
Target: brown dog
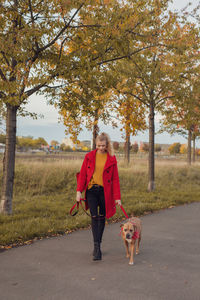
column 131, row 234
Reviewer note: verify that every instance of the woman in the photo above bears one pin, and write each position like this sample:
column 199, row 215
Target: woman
column 99, row 179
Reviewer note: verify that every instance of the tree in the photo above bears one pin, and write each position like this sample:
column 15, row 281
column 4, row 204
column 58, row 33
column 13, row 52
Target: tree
column 84, row 102
column 150, row 76
column 127, row 31
column 144, row 147
column 41, row 142
column 54, row 143
column 135, row 147
column 116, row 146
column 131, row 114
column 182, row 113
column 63, row 147
column 25, row 142
column 33, row 54
column 174, row 148
column 30, row 60
column 183, row 149
column 29, row 142
column 158, row 148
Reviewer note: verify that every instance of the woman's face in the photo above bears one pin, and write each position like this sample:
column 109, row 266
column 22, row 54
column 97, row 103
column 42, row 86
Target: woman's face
column 101, row 146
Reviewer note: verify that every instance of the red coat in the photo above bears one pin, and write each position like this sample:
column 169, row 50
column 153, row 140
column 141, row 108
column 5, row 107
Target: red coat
column 110, row 180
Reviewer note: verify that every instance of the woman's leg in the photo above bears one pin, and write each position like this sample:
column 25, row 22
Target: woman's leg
column 102, row 213
column 92, row 198
column 94, row 202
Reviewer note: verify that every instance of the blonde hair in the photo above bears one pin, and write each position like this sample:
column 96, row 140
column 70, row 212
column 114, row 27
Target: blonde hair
column 105, row 137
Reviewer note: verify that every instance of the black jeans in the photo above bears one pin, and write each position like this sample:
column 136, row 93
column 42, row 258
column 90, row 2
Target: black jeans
column 96, row 202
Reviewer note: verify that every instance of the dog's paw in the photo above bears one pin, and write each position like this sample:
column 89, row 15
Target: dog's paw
column 137, row 252
column 131, row 263
column 127, row 255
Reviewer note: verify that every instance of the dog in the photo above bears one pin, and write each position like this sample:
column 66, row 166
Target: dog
column 131, row 234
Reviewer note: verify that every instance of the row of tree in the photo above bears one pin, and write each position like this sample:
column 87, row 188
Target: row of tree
column 177, row 148
column 28, row 142
column 161, row 75
column 96, row 60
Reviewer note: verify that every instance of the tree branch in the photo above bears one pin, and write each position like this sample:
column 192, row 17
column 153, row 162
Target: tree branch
column 126, row 56
column 2, row 75
column 143, row 89
column 158, row 94
column 54, row 87
column 33, row 21
column 4, row 56
column 2, row 94
column 85, row 26
column 62, row 30
column 167, row 97
column 140, row 99
column 35, row 89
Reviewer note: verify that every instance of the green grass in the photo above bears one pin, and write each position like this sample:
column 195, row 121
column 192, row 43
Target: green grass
column 45, row 191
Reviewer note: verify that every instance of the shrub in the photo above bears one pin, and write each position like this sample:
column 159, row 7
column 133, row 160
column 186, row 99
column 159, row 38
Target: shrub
column 135, row 147
column 158, row 148
column 144, row 147
column 115, row 145
column 174, row 148
column 183, row 149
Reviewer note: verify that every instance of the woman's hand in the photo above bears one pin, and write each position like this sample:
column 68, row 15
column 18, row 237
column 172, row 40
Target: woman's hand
column 118, row 202
column 78, row 196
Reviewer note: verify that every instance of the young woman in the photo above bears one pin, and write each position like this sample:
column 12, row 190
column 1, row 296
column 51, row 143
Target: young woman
column 99, row 179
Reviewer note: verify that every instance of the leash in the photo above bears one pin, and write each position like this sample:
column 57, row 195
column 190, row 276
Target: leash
column 124, row 211
column 76, row 205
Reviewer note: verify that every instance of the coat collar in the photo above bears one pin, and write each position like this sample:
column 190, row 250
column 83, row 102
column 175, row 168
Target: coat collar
column 111, row 160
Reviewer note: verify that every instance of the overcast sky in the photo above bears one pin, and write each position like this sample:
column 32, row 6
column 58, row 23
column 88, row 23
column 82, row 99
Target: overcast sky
column 50, row 128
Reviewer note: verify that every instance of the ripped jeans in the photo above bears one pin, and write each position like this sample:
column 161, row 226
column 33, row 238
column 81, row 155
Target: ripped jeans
column 96, row 202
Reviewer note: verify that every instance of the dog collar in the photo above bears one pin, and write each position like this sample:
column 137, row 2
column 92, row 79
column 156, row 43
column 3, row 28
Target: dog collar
column 136, row 235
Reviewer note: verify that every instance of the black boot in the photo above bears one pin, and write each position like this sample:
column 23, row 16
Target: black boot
column 97, row 251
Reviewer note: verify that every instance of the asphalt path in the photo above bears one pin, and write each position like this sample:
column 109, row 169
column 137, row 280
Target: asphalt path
column 60, row 268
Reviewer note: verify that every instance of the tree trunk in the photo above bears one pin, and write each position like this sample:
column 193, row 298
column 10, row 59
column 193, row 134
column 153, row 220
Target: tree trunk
column 9, row 161
column 127, row 148
column 151, row 185
column 95, row 130
column 189, row 150
column 194, row 150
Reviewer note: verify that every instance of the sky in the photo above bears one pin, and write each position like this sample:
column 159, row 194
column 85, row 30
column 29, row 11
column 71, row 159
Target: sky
column 50, row 128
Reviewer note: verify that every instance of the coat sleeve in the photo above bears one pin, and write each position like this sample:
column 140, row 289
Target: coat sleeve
column 82, row 176
column 116, row 184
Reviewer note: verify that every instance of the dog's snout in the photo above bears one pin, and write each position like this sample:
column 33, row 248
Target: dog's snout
column 128, row 236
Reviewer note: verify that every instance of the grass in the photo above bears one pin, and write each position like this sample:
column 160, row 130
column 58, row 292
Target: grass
column 45, row 191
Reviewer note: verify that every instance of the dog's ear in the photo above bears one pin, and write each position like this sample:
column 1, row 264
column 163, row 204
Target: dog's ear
column 121, row 225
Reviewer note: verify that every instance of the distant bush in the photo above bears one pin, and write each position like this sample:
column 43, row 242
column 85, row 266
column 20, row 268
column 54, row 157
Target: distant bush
column 158, row 148
column 63, row 147
column 115, row 145
column 183, row 149
column 197, row 151
column 144, row 147
column 28, row 142
column 174, row 148
column 135, row 147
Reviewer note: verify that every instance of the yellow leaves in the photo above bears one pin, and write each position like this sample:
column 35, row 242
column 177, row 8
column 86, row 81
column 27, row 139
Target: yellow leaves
column 183, row 149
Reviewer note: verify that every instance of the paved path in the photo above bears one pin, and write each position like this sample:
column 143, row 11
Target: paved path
column 61, row 268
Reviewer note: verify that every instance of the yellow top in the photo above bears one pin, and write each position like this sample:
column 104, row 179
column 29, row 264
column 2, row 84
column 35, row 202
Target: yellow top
column 97, row 177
